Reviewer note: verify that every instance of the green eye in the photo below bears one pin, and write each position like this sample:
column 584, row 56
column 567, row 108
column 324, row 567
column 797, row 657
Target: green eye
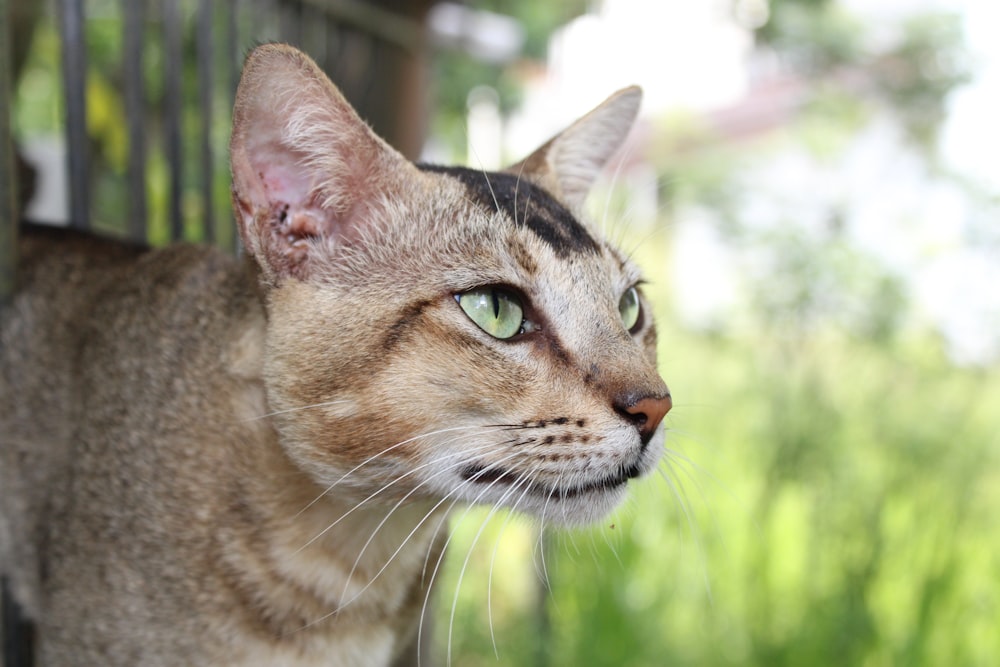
column 628, row 308
column 495, row 311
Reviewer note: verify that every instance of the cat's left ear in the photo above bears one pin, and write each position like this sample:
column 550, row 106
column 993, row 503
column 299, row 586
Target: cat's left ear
column 569, row 163
column 308, row 173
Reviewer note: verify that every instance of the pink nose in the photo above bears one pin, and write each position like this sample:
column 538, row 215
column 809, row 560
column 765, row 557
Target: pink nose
column 647, row 413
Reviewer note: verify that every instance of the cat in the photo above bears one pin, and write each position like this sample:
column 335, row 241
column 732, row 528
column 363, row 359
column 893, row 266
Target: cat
column 211, row 460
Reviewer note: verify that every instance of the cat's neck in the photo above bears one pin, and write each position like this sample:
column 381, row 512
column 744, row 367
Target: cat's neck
column 317, row 563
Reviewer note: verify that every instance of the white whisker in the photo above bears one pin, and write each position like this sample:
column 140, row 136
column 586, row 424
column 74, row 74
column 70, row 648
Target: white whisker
column 437, row 565
column 412, row 532
column 390, row 484
column 521, row 478
column 379, row 454
column 289, row 410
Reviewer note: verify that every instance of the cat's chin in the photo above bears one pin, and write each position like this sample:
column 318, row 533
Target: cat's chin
column 569, row 505
column 582, row 509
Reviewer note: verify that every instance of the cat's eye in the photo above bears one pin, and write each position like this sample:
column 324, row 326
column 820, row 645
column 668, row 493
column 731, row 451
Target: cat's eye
column 494, row 310
column 629, row 308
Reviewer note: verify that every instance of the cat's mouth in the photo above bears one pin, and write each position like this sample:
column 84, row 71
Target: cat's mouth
column 494, row 475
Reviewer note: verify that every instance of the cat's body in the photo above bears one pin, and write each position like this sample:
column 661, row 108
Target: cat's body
column 211, row 460
column 164, row 469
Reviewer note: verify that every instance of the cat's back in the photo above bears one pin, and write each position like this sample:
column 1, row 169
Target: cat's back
column 84, row 307
column 73, row 290
column 43, row 330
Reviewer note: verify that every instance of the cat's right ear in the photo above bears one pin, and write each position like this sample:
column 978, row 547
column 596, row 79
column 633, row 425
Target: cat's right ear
column 308, row 173
column 569, row 163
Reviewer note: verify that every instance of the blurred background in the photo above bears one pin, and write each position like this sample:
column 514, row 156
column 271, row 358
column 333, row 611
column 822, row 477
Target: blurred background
column 813, row 190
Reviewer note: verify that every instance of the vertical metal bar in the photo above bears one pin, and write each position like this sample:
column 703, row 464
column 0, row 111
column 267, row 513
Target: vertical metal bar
column 205, row 85
column 234, row 66
column 173, row 148
column 234, row 56
column 8, row 181
column 134, row 12
column 74, row 67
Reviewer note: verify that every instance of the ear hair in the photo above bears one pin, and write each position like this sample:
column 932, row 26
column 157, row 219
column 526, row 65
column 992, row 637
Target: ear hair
column 307, row 171
column 569, row 163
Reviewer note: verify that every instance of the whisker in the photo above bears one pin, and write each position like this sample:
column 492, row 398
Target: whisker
column 461, row 575
column 544, row 574
column 427, row 515
column 388, row 485
column 496, row 202
column 454, row 492
column 489, row 581
column 412, row 532
column 614, row 179
column 676, row 485
column 299, row 409
column 437, row 565
column 381, row 453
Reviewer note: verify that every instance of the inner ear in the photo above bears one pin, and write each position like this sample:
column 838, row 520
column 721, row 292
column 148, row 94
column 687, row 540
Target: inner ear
column 308, row 173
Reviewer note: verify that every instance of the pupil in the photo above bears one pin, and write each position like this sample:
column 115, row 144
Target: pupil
column 496, row 304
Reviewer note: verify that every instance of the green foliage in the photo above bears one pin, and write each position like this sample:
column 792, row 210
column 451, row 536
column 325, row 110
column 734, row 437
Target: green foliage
column 916, row 75
column 814, row 35
column 455, row 75
column 912, row 77
column 809, row 283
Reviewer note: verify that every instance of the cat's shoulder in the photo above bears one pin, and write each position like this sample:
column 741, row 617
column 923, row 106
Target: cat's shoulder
column 60, row 260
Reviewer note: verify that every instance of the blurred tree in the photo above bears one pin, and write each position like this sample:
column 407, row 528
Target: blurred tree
column 912, row 76
column 456, row 72
column 847, row 74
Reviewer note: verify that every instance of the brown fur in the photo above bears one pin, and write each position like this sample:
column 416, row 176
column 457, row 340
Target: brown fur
column 197, row 449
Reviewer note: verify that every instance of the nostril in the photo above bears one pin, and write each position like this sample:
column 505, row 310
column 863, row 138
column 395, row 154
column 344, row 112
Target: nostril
column 630, row 414
column 646, row 413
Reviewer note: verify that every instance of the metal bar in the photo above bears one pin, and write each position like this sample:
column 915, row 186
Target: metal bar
column 234, row 67
column 74, row 67
column 234, row 56
column 134, row 94
column 205, row 86
column 8, row 180
column 173, row 146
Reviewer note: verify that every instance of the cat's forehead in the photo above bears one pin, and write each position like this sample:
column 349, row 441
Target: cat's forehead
column 460, row 228
column 526, row 206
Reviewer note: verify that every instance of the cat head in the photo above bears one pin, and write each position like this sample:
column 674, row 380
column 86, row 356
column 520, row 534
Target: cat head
column 442, row 333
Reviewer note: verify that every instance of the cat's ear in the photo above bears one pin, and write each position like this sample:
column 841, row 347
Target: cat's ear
column 569, row 163
column 307, row 171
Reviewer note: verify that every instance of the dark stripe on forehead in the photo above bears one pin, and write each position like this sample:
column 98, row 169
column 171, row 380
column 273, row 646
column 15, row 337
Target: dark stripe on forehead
column 526, row 205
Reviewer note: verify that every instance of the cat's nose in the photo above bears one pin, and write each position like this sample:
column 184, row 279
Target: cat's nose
column 646, row 413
